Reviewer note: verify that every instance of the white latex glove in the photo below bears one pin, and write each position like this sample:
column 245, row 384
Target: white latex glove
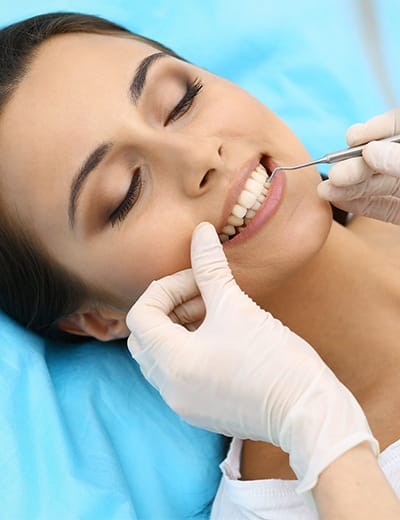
column 369, row 185
column 242, row 373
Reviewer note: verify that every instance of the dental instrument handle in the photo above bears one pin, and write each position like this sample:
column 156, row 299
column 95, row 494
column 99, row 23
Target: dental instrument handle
column 354, row 151
column 334, row 157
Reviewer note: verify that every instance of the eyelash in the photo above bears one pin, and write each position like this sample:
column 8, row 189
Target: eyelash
column 192, row 89
column 183, row 106
column 119, row 214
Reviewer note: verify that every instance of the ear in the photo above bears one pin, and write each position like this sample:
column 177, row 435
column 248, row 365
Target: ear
column 103, row 324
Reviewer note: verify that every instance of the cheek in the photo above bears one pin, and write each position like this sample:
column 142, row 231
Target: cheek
column 165, row 256
column 151, row 256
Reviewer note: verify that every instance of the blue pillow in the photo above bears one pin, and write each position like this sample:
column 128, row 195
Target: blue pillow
column 83, row 435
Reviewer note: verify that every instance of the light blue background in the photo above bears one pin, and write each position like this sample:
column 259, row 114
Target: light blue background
column 310, row 61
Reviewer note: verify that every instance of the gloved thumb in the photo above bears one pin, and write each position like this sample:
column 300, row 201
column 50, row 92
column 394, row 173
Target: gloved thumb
column 378, row 127
column 210, row 266
column 383, row 157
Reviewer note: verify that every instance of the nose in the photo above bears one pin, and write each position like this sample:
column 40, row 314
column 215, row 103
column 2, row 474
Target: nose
column 190, row 161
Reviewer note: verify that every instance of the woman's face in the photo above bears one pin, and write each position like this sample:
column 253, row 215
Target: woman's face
column 114, row 176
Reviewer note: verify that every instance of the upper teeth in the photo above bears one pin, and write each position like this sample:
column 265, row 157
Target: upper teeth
column 249, row 201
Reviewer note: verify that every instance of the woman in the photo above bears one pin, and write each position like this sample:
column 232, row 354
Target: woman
column 168, row 145
column 271, row 385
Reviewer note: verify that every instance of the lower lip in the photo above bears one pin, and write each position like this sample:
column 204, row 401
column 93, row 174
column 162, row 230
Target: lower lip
column 265, row 212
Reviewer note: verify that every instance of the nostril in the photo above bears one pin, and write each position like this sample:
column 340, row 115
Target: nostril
column 204, row 179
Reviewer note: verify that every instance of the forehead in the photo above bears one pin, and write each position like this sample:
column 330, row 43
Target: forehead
column 73, row 49
column 67, row 79
column 73, row 65
column 67, row 74
column 64, row 104
column 76, row 78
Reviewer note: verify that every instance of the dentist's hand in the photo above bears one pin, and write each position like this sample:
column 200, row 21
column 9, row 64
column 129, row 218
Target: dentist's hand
column 369, row 185
column 241, row 372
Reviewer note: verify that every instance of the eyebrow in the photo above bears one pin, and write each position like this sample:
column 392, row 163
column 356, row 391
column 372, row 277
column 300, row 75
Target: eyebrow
column 101, row 151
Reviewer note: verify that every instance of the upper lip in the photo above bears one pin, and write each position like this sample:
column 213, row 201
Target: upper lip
column 243, row 173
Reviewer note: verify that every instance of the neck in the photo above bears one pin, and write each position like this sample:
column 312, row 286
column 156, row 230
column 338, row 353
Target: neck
column 345, row 303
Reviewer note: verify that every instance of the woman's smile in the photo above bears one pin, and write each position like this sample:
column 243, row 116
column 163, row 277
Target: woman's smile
column 264, row 207
column 184, row 149
column 247, row 198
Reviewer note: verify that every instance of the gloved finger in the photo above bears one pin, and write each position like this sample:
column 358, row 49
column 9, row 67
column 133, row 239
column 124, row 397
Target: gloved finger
column 155, row 358
column 327, row 191
column 383, row 157
column 155, row 340
column 386, row 209
column 194, row 325
column 143, row 356
column 377, row 185
column 161, row 297
column 351, row 171
column 209, row 263
column 190, row 312
column 378, row 127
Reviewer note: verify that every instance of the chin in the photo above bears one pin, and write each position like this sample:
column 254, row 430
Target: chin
column 286, row 244
column 306, row 233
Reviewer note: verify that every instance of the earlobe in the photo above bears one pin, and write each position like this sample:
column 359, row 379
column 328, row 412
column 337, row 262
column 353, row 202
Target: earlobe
column 104, row 325
column 72, row 324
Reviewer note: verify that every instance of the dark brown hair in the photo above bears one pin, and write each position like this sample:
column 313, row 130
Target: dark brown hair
column 34, row 289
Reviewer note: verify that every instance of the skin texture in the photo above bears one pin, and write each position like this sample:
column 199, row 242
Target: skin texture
column 355, row 488
column 337, row 287
column 64, row 108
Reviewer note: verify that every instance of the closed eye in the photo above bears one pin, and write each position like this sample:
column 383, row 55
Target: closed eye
column 119, row 214
column 192, row 89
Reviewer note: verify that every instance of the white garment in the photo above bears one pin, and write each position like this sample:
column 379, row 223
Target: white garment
column 275, row 499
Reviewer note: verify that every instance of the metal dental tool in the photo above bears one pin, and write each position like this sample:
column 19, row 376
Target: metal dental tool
column 340, row 155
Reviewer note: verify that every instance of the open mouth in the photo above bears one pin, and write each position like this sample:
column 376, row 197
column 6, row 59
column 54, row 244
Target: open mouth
column 248, row 203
